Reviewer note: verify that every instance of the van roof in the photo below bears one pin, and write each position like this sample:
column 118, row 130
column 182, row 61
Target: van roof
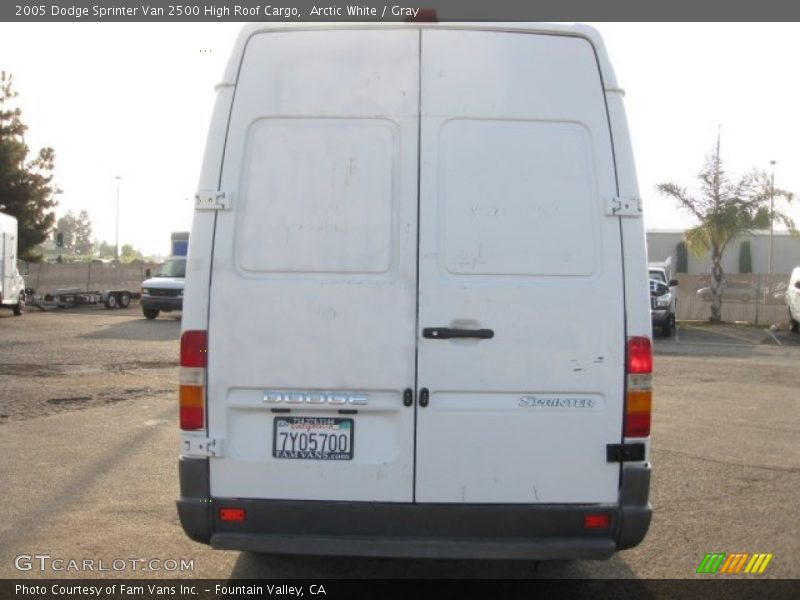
column 575, row 30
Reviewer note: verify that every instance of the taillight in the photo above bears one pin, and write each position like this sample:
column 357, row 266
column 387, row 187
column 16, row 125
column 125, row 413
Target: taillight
column 596, row 521
column 231, row 514
column 194, row 348
column 639, row 388
column 194, row 352
column 640, row 355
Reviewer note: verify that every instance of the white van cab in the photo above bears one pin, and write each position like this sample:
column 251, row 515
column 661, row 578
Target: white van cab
column 416, row 319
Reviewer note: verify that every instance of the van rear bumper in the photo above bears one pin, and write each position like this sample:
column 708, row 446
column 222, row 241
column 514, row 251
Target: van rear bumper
column 501, row 531
column 419, row 547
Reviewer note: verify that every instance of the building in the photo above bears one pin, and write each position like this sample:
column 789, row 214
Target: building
column 662, row 243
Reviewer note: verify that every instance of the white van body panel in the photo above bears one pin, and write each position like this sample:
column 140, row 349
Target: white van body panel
column 516, row 160
column 314, row 277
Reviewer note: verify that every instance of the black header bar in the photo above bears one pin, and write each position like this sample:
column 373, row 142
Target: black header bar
column 388, row 11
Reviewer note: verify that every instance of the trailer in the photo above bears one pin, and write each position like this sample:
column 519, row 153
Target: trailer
column 71, row 297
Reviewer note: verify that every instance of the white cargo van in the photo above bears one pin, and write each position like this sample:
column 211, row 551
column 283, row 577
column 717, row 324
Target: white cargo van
column 416, row 319
column 12, row 285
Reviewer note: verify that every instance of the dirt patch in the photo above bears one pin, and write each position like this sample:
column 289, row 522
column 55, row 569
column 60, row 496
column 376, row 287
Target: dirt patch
column 135, row 365
column 61, row 368
column 77, row 369
column 69, row 400
column 17, row 407
column 26, row 370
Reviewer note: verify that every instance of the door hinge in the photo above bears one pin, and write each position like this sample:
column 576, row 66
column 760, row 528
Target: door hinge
column 627, row 206
column 625, row 452
column 212, row 200
column 201, row 446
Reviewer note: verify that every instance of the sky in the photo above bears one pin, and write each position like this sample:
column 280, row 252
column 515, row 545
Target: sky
column 134, row 100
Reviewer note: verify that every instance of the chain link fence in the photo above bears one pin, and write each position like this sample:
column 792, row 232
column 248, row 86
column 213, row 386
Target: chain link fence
column 756, row 299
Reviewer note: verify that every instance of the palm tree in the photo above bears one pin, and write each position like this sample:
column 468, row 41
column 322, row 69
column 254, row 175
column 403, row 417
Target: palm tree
column 725, row 210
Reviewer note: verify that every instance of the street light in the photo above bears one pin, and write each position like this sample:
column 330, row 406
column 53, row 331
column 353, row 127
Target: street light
column 771, row 215
column 118, row 178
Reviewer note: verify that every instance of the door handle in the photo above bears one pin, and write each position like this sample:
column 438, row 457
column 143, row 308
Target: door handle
column 408, row 397
column 423, row 397
column 446, row 333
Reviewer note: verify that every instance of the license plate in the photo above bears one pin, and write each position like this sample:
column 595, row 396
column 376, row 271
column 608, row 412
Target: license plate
column 314, row 438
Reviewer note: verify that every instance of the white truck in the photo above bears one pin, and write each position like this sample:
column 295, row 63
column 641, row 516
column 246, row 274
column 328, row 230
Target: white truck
column 663, row 296
column 12, row 285
column 386, row 343
column 163, row 291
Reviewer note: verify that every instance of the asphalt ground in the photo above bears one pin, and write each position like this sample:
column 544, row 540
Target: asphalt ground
column 89, row 441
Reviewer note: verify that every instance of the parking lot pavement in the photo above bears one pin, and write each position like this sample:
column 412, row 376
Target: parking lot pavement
column 726, row 340
column 75, row 359
column 95, row 477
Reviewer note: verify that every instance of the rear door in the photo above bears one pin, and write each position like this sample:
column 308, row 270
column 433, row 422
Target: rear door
column 7, row 266
column 313, row 299
column 515, row 165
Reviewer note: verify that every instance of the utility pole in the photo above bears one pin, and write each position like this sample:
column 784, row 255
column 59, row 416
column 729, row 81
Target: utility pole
column 118, row 178
column 771, row 216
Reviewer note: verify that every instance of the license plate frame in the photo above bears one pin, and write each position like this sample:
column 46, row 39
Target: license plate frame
column 317, row 438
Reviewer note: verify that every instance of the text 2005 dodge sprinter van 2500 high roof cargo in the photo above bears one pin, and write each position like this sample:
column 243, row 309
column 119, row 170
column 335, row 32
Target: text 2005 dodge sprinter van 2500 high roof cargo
column 416, row 318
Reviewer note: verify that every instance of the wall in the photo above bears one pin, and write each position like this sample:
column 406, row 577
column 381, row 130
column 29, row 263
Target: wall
column 786, row 252
column 45, row 278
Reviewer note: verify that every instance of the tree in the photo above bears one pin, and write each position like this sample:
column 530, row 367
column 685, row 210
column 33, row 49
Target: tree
column 683, row 257
column 66, row 226
column 27, row 191
column 83, row 234
column 745, row 258
column 725, row 210
column 103, row 249
column 76, row 233
column 128, row 253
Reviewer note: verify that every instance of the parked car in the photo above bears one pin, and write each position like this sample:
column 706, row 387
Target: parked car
column 663, row 300
column 734, row 291
column 793, row 299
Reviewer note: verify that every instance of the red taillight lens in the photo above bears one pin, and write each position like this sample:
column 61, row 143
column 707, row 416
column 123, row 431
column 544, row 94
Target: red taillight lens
column 637, row 425
column 596, row 521
column 194, row 349
column 192, row 418
column 640, row 355
column 231, row 514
